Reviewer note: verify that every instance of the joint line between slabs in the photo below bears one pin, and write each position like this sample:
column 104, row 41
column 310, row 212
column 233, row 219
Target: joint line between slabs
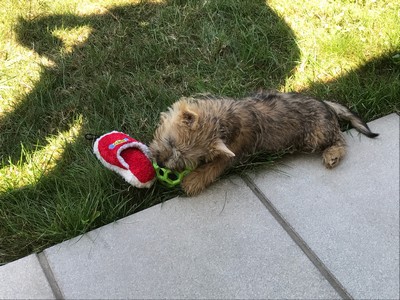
column 49, row 275
column 326, row 273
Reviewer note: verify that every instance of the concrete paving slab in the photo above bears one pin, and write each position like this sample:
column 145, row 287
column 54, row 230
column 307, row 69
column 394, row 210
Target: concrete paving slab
column 349, row 215
column 24, row 279
column 222, row 244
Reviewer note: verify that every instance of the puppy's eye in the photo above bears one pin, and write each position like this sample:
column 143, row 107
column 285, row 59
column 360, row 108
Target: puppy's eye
column 202, row 160
column 171, row 142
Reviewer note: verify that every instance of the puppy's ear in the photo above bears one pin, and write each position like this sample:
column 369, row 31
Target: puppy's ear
column 163, row 117
column 223, row 149
column 190, row 118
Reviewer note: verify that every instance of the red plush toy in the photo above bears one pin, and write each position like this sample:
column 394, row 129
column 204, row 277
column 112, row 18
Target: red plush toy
column 127, row 157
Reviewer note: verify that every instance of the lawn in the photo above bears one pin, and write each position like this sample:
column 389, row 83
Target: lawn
column 73, row 67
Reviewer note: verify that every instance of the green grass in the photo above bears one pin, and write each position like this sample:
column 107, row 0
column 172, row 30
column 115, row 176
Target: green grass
column 68, row 68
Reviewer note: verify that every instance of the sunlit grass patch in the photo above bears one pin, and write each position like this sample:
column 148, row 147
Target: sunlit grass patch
column 32, row 166
column 72, row 37
column 335, row 37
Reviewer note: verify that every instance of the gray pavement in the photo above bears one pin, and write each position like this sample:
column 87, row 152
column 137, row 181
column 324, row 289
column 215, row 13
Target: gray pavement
column 296, row 231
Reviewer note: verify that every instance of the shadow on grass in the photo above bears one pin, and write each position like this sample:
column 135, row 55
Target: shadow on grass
column 138, row 59
column 135, row 61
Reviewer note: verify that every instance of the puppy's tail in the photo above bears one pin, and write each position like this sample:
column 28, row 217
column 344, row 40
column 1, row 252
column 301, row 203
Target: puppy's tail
column 344, row 113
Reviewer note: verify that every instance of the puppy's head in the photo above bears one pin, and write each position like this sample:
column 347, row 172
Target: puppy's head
column 185, row 139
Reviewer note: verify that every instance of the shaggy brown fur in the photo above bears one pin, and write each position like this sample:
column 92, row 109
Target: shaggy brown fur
column 207, row 133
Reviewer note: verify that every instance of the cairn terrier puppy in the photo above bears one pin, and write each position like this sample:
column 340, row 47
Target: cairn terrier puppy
column 207, row 133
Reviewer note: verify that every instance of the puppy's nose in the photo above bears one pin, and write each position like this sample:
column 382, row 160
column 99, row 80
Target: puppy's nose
column 160, row 164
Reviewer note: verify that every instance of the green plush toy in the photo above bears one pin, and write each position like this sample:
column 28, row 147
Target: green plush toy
column 167, row 177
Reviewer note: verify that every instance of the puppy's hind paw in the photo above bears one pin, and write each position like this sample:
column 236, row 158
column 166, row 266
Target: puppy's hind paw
column 332, row 156
column 331, row 162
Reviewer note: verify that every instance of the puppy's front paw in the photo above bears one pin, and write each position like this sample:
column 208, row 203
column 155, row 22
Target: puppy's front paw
column 192, row 184
column 203, row 176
